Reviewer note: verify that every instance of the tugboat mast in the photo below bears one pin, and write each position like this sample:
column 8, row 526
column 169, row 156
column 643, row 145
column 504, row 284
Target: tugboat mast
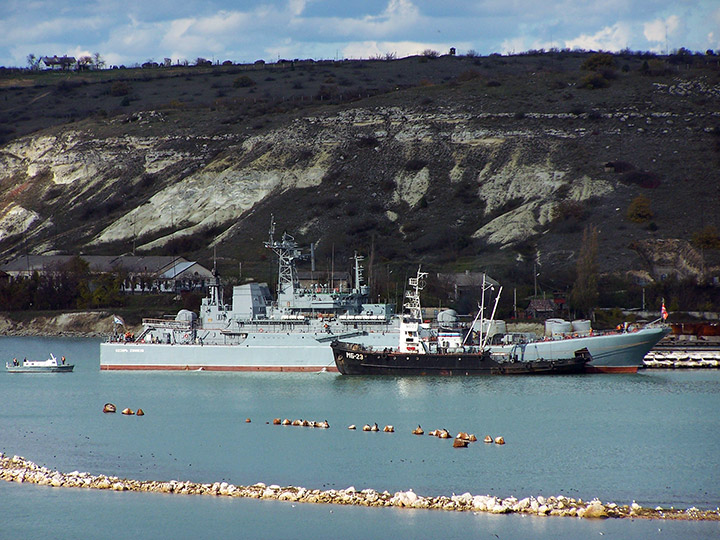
column 412, row 297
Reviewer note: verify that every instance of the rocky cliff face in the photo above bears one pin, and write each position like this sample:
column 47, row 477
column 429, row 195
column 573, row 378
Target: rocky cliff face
column 80, row 324
column 415, row 176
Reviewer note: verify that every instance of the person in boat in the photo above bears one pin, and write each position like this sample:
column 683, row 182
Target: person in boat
column 15, row 362
column 63, row 360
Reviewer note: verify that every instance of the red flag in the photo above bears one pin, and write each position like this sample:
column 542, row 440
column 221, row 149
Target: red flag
column 663, row 311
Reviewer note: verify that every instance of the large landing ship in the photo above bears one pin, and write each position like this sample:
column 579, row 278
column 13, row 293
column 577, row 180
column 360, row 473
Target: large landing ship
column 291, row 332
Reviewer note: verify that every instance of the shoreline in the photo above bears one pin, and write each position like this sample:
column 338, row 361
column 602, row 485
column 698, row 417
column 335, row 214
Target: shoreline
column 20, row 470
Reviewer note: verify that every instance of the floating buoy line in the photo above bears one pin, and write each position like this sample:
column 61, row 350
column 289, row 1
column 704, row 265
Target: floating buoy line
column 20, row 470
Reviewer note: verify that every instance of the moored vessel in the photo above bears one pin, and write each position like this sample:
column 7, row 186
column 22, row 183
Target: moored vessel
column 259, row 332
column 51, row 365
column 423, row 350
column 618, row 351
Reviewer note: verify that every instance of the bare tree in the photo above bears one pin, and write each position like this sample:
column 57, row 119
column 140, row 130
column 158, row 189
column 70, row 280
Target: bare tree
column 98, row 61
column 84, row 62
column 33, row 61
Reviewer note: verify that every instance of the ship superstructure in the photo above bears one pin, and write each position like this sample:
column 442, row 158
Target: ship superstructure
column 423, row 349
column 256, row 331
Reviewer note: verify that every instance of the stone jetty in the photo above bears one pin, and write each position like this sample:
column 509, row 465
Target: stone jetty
column 21, row 470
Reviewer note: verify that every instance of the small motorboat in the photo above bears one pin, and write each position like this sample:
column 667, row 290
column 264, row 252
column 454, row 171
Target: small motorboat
column 51, row 365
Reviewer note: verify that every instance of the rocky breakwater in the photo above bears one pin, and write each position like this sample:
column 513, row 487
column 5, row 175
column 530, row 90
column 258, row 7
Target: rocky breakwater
column 19, row 469
column 683, row 358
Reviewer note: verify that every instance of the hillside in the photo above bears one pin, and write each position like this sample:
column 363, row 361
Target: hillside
column 460, row 163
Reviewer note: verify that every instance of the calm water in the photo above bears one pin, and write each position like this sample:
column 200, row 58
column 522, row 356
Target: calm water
column 652, row 437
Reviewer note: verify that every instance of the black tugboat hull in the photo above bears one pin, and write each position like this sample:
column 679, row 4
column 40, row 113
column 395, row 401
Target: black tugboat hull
column 351, row 359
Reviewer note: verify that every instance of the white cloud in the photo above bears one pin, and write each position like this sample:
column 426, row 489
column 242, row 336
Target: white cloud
column 399, row 15
column 244, row 30
column 610, row 38
column 513, row 45
column 296, row 7
column 659, row 30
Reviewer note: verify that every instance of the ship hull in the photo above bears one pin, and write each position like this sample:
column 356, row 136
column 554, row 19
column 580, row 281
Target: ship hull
column 268, row 351
column 611, row 353
column 352, row 359
column 41, row 369
column 311, row 352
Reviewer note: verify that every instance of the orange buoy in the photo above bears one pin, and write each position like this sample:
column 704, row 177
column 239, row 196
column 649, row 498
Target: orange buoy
column 109, row 408
column 140, row 412
column 127, row 411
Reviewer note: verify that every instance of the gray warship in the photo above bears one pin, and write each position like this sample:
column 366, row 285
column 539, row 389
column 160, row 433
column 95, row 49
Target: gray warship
column 259, row 332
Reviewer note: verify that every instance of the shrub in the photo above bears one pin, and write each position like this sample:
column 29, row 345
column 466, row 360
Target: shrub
column 707, row 238
column 654, row 66
column 593, row 81
column 568, row 209
column 120, row 88
column 367, row 142
column 598, row 61
column 644, row 179
column 468, row 75
column 639, row 210
column 415, row 165
column 621, row 166
column 243, row 82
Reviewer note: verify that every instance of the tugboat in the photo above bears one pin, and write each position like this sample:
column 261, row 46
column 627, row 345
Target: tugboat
column 51, row 365
column 423, row 350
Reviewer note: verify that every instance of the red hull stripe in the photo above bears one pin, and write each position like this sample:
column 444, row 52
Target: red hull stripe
column 122, row 367
column 611, row 369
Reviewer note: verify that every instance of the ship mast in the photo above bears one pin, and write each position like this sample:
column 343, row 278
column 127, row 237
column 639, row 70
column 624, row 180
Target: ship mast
column 216, row 294
column 287, row 252
column 412, row 297
column 358, row 271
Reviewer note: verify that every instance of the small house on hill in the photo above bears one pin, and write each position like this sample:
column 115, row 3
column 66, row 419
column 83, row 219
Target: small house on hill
column 140, row 274
column 540, row 308
column 58, row 62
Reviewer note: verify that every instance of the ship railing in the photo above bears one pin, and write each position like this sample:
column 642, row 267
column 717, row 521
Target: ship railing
column 351, row 319
column 276, row 322
column 165, row 323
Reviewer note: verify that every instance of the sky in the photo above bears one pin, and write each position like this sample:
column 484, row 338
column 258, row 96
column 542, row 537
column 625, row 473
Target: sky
column 136, row 31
